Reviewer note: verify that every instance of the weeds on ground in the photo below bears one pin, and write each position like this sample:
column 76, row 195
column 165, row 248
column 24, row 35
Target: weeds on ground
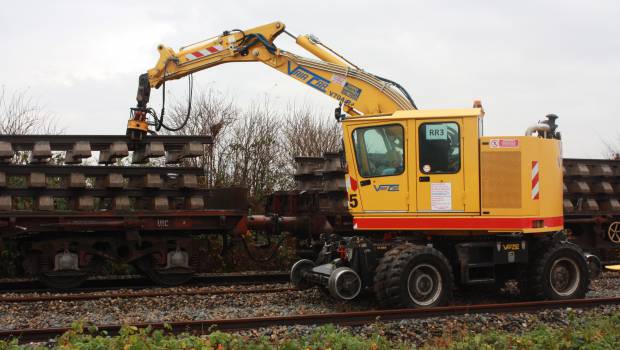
column 589, row 332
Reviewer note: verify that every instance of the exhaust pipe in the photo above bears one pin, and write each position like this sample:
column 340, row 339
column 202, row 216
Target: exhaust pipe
column 537, row 128
column 546, row 129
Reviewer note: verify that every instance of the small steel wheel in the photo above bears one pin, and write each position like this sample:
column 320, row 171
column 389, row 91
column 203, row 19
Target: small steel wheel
column 344, row 284
column 297, row 271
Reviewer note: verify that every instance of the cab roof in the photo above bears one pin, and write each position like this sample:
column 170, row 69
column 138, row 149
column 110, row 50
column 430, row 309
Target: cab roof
column 421, row 114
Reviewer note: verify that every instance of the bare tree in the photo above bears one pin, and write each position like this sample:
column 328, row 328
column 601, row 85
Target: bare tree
column 612, row 149
column 308, row 133
column 19, row 114
column 254, row 147
column 255, row 158
column 211, row 114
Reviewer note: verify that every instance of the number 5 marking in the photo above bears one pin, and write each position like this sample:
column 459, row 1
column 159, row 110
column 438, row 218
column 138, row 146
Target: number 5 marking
column 353, row 201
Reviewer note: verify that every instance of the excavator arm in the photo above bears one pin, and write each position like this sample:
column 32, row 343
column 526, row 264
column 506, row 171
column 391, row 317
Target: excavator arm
column 359, row 93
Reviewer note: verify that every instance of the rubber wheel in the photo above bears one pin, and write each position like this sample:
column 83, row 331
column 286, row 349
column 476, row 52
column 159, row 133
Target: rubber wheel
column 413, row 276
column 382, row 272
column 560, row 272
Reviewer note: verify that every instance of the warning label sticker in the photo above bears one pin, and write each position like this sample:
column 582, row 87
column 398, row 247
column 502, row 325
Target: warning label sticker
column 441, row 196
column 339, row 79
column 351, row 91
column 504, row 143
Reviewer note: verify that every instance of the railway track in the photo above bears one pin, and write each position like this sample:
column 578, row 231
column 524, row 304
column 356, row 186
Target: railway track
column 102, row 285
column 137, row 288
column 138, row 294
column 340, row 318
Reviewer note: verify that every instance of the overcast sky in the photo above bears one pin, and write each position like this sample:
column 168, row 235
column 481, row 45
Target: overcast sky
column 524, row 59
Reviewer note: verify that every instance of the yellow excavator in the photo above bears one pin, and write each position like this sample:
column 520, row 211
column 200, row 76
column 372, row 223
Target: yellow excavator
column 435, row 204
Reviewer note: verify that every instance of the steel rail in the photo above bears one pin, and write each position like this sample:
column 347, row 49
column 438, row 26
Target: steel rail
column 137, row 294
column 104, row 285
column 341, row 318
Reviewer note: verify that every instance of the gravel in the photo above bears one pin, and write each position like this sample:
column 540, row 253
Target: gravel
column 606, row 285
column 171, row 290
column 422, row 331
column 60, row 313
column 236, row 305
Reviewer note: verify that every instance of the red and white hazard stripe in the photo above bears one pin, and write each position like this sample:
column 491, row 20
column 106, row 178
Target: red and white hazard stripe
column 351, row 184
column 207, row 51
column 535, row 182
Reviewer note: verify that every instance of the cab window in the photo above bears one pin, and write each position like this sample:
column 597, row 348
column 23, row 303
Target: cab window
column 440, row 148
column 379, row 150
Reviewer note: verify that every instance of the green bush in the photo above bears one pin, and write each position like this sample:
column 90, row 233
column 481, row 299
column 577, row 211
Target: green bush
column 8, row 258
column 581, row 333
column 589, row 332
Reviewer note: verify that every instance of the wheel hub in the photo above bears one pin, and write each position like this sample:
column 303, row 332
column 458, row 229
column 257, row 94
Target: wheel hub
column 424, row 284
column 344, row 284
column 561, row 277
column 564, row 276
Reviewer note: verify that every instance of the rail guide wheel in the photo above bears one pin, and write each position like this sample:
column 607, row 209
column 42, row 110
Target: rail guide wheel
column 297, row 272
column 344, row 284
column 413, row 276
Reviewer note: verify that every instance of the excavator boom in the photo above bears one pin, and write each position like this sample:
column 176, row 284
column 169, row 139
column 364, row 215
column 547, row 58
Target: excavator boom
column 358, row 92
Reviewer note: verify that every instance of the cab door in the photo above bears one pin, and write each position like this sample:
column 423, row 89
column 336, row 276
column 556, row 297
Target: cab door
column 380, row 162
column 439, row 168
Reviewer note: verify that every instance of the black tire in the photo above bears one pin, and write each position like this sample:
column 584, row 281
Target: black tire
column 383, row 269
column 560, row 272
column 393, row 278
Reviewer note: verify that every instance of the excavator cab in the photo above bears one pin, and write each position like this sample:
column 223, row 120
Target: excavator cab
column 413, row 162
column 431, row 170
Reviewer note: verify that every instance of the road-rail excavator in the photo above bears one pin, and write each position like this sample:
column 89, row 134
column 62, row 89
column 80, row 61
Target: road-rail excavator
column 435, row 204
